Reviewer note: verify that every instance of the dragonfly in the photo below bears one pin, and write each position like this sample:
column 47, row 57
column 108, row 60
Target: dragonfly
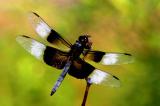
column 73, row 61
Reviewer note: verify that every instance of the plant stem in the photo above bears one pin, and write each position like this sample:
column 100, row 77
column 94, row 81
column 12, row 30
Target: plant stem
column 86, row 93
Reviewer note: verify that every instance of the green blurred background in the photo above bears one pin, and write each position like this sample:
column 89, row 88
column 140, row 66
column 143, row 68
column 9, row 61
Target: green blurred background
column 131, row 26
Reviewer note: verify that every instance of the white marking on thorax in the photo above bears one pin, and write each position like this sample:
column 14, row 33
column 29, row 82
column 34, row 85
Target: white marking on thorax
column 78, row 44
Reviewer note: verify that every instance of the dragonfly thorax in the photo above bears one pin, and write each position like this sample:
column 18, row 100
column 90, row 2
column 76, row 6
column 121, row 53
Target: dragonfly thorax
column 82, row 43
column 76, row 50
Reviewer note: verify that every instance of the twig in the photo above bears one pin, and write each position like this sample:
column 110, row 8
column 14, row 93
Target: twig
column 86, row 93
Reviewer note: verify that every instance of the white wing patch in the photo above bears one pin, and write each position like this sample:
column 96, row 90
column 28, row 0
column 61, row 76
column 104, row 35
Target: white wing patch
column 43, row 29
column 109, row 59
column 99, row 77
column 37, row 49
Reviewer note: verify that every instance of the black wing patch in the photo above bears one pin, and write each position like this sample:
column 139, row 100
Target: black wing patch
column 80, row 69
column 46, row 32
column 108, row 58
column 49, row 55
column 55, row 57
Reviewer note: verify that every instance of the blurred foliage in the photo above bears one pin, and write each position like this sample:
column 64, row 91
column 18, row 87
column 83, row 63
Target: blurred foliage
column 115, row 25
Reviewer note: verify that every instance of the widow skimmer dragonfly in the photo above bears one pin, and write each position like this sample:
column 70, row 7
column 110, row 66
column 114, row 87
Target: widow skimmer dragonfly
column 73, row 61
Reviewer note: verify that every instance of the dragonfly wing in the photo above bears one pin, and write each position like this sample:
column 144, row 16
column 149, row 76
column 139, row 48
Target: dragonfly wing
column 83, row 70
column 49, row 55
column 109, row 58
column 46, row 32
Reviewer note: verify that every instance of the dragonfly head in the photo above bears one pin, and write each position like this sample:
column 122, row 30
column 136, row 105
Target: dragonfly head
column 85, row 41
